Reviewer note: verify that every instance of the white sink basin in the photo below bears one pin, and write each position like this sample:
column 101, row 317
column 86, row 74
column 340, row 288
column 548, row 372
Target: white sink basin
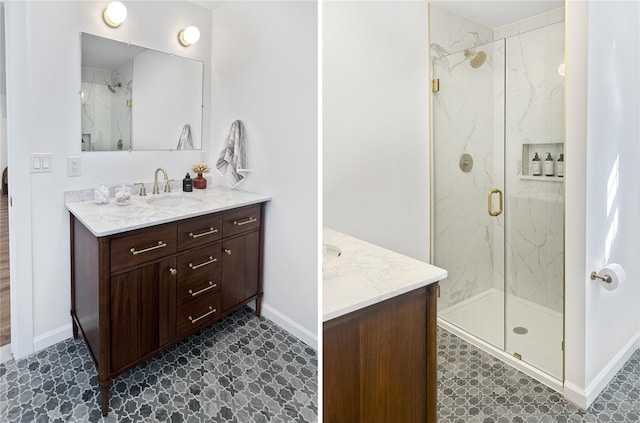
column 174, row 201
column 330, row 252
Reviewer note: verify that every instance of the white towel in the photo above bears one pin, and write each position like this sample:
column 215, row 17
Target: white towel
column 234, row 153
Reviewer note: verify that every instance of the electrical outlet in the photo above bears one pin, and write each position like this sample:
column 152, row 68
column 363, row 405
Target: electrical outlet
column 74, row 166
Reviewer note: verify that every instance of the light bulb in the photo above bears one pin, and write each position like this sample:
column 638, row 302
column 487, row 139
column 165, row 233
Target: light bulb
column 189, row 35
column 114, row 14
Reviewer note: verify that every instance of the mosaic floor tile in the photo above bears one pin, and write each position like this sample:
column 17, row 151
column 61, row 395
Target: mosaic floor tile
column 476, row 387
column 242, row 369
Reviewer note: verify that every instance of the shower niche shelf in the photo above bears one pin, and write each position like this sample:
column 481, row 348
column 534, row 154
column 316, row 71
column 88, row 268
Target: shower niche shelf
column 528, row 152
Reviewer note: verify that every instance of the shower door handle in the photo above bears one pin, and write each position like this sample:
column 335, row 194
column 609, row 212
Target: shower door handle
column 490, row 203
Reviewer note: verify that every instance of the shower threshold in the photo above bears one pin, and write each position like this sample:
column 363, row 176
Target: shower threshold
column 479, row 321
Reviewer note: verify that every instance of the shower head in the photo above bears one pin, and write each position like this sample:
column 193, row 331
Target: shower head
column 476, row 59
column 113, row 87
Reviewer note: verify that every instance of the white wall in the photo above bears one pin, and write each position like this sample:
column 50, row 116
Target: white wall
column 43, row 83
column 376, row 123
column 601, row 328
column 265, row 73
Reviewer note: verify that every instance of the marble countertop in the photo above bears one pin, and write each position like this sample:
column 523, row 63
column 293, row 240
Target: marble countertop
column 365, row 274
column 109, row 219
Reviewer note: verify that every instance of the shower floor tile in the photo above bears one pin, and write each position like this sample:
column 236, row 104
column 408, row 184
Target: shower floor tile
column 241, row 369
column 483, row 316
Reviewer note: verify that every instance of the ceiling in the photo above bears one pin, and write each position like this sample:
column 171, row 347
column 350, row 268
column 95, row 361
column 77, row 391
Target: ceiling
column 491, row 13
column 208, row 4
column 496, row 13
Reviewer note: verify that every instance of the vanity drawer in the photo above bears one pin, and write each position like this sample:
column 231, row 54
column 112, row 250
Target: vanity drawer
column 199, row 231
column 193, row 288
column 198, row 312
column 203, row 261
column 241, row 220
column 142, row 245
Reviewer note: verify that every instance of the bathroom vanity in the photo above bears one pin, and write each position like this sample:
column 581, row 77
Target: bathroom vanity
column 379, row 334
column 144, row 276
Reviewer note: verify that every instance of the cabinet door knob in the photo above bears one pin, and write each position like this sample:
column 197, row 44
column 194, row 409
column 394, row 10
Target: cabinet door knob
column 173, row 271
column 226, row 250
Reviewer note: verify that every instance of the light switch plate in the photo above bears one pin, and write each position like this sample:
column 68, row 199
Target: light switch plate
column 41, row 162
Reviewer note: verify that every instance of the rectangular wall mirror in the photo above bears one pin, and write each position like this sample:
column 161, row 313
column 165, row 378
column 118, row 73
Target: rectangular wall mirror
column 135, row 98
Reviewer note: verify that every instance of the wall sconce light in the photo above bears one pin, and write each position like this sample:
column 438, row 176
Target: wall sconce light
column 561, row 70
column 189, row 35
column 114, row 14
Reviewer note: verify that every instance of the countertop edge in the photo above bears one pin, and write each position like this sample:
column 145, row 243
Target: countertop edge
column 326, row 317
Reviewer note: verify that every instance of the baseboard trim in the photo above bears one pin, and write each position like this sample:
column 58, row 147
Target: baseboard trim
column 52, row 337
column 575, row 395
column 5, row 353
column 583, row 398
column 290, row 326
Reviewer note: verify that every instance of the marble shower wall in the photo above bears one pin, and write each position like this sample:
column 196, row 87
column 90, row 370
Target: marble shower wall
column 534, row 123
column 469, row 117
column 106, row 116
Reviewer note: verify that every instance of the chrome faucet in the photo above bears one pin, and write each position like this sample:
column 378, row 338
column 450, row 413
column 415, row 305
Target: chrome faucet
column 167, row 188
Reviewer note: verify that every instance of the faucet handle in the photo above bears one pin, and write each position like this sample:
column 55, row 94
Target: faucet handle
column 167, row 187
column 143, row 190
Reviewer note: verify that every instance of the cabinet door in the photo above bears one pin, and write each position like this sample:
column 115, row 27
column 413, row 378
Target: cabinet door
column 143, row 311
column 240, row 269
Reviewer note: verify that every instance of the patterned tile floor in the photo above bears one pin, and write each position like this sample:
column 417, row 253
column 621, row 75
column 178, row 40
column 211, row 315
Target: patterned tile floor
column 475, row 387
column 242, row 369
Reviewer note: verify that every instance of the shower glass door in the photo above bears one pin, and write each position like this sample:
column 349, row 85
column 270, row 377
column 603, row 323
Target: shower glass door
column 468, row 145
column 498, row 227
column 534, row 123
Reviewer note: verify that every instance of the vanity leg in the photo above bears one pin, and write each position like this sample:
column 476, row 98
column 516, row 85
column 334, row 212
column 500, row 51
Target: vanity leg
column 75, row 326
column 104, row 396
column 259, row 305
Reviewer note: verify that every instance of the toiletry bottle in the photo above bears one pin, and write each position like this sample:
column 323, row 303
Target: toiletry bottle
column 549, row 165
column 536, row 166
column 560, row 169
column 187, row 183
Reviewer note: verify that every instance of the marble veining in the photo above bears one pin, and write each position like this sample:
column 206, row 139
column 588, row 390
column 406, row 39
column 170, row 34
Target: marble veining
column 366, row 274
column 109, row 219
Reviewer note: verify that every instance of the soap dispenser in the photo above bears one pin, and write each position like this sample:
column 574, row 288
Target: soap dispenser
column 536, row 166
column 560, row 169
column 187, row 183
column 549, row 165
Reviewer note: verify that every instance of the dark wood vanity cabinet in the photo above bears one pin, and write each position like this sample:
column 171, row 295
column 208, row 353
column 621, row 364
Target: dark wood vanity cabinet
column 136, row 293
column 380, row 362
column 142, row 314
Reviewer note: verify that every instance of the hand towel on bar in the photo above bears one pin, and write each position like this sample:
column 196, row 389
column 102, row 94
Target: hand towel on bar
column 234, row 154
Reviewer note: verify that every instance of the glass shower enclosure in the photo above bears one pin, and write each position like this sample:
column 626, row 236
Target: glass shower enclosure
column 497, row 224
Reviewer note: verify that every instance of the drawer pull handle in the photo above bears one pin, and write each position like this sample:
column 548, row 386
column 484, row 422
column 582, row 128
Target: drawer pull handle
column 197, row 266
column 244, row 222
column 211, row 286
column 228, row 251
column 145, row 250
column 173, row 271
column 211, row 311
column 211, row 231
